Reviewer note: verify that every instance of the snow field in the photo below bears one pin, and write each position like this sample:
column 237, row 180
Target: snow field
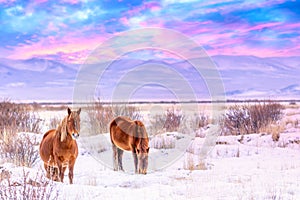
column 252, row 167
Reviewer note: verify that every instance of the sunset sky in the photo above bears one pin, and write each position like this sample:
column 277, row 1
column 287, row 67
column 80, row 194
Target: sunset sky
column 69, row 30
column 253, row 46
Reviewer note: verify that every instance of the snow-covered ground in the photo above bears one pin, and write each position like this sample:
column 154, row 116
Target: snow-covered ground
column 254, row 167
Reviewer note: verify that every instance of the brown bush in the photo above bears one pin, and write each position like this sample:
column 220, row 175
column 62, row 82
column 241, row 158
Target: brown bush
column 19, row 149
column 173, row 119
column 18, row 117
column 170, row 121
column 245, row 119
column 202, row 120
column 101, row 115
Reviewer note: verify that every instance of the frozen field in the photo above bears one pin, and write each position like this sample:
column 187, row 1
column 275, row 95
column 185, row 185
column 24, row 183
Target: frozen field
column 253, row 167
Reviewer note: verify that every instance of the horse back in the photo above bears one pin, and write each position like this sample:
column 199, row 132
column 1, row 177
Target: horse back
column 122, row 130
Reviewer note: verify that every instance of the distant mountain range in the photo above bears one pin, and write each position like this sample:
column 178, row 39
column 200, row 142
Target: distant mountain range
column 244, row 77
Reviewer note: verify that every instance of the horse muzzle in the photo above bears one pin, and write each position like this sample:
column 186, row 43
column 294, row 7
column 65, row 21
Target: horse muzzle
column 75, row 135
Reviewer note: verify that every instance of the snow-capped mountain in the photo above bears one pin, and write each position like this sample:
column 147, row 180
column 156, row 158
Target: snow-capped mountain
column 245, row 77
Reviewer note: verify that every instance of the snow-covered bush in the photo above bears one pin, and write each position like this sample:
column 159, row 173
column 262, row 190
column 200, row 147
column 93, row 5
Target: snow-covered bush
column 163, row 141
column 246, row 119
column 26, row 187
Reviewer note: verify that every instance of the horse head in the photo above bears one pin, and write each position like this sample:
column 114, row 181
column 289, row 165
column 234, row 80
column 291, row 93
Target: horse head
column 71, row 124
column 142, row 149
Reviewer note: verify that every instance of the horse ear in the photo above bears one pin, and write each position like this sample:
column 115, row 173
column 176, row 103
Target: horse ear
column 69, row 111
column 79, row 110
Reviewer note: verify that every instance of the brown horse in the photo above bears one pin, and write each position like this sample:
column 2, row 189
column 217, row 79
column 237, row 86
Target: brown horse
column 59, row 149
column 128, row 135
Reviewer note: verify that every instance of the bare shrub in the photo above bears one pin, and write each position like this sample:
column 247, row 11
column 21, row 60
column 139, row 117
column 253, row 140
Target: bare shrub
column 54, row 122
column 170, row 121
column 188, row 162
column 292, row 123
column 173, row 119
column 132, row 112
column 19, row 149
column 101, row 115
column 245, row 119
column 191, row 164
column 4, row 174
column 202, row 120
column 163, row 141
column 195, row 123
column 275, row 136
column 99, row 118
column 18, row 117
column 38, row 188
column 274, row 130
column 157, row 124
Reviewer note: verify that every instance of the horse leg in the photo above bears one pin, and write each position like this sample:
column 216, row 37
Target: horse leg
column 120, row 155
column 71, row 168
column 115, row 157
column 47, row 168
column 135, row 159
column 60, row 169
column 54, row 173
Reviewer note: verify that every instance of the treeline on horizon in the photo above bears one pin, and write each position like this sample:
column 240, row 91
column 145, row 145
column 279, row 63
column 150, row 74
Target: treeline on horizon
column 34, row 103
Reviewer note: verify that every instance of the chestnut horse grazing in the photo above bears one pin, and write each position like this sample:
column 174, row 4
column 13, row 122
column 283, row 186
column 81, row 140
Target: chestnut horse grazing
column 59, row 149
column 128, row 135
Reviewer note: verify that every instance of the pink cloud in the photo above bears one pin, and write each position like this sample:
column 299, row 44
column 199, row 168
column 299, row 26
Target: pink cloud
column 234, row 42
column 70, row 48
column 71, row 1
column 6, row 1
column 192, row 28
column 125, row 21
column 243, row 49
column 40, row 1
column 151, row 6
column 288, row 26
column 261, row 26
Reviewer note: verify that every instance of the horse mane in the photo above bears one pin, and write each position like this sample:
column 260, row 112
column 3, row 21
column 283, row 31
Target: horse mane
column 142, row 135
column 141, row 126
column 144, row 140
column 62, row 129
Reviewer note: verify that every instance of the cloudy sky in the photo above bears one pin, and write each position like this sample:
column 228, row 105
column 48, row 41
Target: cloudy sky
column 67, row 32
column 69, row 29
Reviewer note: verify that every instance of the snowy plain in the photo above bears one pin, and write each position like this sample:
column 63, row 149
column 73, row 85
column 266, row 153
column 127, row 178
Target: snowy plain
column 255, row 167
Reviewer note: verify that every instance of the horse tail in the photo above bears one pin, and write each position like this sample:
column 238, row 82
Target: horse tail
column 111, row 126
